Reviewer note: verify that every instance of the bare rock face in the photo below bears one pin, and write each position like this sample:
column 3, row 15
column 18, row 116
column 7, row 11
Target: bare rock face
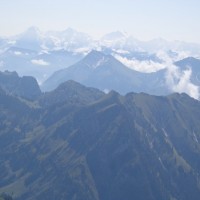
column 26, row 86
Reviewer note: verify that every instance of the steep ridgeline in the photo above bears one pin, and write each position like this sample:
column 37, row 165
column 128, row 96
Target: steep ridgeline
column 71, row 93
column 100, row 146
column 26, row 86
column 106, row 73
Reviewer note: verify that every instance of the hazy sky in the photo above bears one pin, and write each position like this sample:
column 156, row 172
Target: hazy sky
column 144, row 19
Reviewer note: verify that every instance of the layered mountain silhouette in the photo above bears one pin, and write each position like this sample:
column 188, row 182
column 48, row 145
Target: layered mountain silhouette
column 107, row 73
column 78, row 143
column 40, row 54
column 38, row 64
column 26, row 86
column 70, row 92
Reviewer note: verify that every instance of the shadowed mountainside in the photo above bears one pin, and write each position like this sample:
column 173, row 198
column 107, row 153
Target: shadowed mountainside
column 100, row 146
column 26, row 86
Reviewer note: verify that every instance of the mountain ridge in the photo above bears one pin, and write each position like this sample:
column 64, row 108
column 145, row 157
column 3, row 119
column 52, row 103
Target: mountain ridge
column 105, row 73
column 26, row 86
column 110, row 147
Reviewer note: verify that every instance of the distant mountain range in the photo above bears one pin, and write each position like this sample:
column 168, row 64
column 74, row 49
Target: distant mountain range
column 117, row 61
column 107, row 73
column 41, row 54
column 93, row 132
column 38, row 64
column 72, row 40
column 78, row 143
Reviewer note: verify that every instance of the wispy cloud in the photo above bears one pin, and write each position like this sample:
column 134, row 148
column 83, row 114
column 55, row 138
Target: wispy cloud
column 180, row 81
column 146, row 66
column 172, row 56
column 177, row 80
column 39, row 62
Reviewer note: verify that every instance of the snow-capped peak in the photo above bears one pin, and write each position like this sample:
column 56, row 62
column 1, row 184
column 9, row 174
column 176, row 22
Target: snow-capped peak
column 117, row 35
column 32, row 32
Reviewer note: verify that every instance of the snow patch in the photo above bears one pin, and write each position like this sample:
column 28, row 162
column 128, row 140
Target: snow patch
column 195, row 137
column 165, row 133
column 102, row 61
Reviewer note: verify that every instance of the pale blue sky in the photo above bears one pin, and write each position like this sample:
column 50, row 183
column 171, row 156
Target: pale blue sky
column 144, row 19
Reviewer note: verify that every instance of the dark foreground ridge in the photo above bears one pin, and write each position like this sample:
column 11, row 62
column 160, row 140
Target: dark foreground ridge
column 78, row 143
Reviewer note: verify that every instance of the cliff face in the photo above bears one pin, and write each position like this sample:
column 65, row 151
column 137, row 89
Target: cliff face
column 26, row 86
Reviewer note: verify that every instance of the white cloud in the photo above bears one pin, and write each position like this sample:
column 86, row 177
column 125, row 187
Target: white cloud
column 39, row 62
column 179, row 81
column 84, row 50
column 121, row 51
column 173, row 58
column 181, row 55
column 18, row 53
column 106, row 91
column 12, row 42
column 164, row 56
column 146, row 66
column 176, row 80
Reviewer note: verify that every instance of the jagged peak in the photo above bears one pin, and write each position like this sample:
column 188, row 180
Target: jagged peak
column 95, row 53
column 31, row 32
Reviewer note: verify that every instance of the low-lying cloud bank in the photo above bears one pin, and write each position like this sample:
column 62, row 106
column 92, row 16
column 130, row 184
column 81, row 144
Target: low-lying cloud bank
column 177, row 80
column 39, row 62
column 146, row 66
column 180, row 81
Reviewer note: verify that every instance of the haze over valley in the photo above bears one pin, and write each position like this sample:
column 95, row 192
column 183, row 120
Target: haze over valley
column 154, row 65
column 99, row 100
